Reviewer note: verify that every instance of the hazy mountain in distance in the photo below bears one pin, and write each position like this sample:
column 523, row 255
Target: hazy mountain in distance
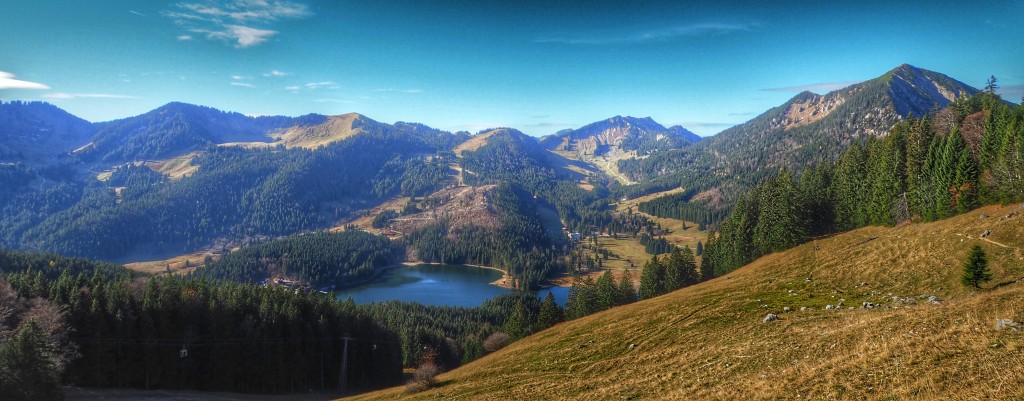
column 620, row 134
column 35, row 132
column 177, row 128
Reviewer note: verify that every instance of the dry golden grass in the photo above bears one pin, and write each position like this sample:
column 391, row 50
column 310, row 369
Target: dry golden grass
column 335, row 129
column 606, row 163
column 475, row 142
column 366, row 221
column 708, row 341
column 177, row 167
column 625, row 251
column 175, row 265
column 676, row 235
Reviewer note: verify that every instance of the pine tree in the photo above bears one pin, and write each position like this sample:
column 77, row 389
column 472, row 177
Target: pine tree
column 707, row 269
column 966, row 182
column 28, row 366
column 690, row 275
column 626, row 292
column 848, row 188
column 991, row 85
column 517, row 325
column 919, row 140
column 700, row 248
column 652, row 279
column 886, row 169
column 550, row 313
column 780, row 222
column 675, row 275
column 582, row 299
column 976, row 268
column 607, row 293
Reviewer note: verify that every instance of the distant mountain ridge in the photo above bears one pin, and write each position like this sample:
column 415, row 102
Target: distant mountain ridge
column 178, row 128
column 331, row 167
column 825, row 124
column 619, row 133
column 35, row 131
column 802, row 131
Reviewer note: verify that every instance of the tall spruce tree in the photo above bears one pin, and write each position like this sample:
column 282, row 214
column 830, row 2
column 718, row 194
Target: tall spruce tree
column 29, row 369
column 675, row 274
column 652, row 279
column 517, row 325
column 919, row 139
column 582, row 299
column 626, row 292
column 607, row 293
column 886, row 169
column 780, row 222
column 550, row 313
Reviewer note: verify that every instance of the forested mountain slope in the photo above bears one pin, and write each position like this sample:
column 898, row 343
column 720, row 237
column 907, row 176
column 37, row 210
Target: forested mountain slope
column 37, row 133
column 802, row 132
column 178, row 128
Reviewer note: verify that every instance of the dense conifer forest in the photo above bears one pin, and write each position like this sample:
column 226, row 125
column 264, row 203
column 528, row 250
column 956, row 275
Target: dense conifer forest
column 925, row 169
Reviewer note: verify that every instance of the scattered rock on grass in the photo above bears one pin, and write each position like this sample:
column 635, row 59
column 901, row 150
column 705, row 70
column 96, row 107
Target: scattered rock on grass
column 771, row 317
column 1004, row 324
column 787, row 309
column 985, row 233
column 983, row 216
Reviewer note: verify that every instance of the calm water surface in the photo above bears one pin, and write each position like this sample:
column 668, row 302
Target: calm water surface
column 443, row 285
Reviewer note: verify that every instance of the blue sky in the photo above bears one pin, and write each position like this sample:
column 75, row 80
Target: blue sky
column 539, row 66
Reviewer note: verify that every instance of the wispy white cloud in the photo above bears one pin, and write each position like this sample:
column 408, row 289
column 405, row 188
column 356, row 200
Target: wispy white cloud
column 649, row 36
column 293, row 88
column 184, row 38
column 63, row 96
column 238, row 77
column 243, row 84
column 276, row 73
column 138, row 13
column 7, row 81
column 243, row 23
column 247, row 36
column 822, row 87
column 325, row 84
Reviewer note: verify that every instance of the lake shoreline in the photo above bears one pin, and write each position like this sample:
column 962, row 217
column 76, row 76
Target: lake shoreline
column 504, row 282
column 438, row 284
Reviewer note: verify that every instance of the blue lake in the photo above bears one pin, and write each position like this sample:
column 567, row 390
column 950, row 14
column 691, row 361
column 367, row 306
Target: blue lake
column 442, row 285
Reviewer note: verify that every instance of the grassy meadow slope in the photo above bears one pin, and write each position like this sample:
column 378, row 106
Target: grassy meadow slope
column 708, row 341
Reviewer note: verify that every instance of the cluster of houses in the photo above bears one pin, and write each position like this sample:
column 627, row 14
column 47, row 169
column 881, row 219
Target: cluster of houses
column 577, row 237
column 299, row 287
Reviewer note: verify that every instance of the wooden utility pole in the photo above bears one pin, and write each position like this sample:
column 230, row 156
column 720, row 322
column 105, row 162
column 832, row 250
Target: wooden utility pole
column 343, row 378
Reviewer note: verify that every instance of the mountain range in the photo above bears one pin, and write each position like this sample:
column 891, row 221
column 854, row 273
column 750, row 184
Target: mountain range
column 63, row 163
